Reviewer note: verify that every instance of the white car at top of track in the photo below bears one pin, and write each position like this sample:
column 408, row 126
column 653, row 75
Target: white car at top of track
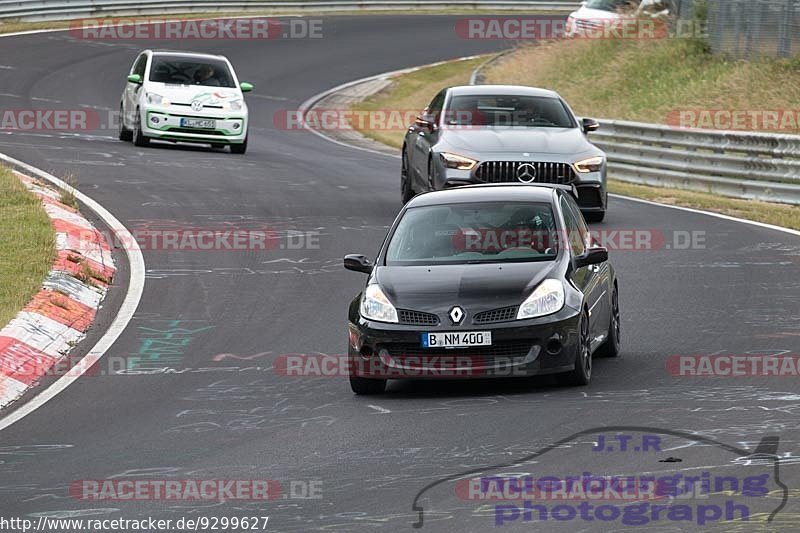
column 184, row 97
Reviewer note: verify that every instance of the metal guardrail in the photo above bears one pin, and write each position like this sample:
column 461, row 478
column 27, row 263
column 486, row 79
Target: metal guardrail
column 39, row 10
column 755, row 166
column 748, row 165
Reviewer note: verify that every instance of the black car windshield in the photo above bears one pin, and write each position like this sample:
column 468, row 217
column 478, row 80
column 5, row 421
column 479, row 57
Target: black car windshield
column 491, row 232
column 508, row 110
column 182, row 70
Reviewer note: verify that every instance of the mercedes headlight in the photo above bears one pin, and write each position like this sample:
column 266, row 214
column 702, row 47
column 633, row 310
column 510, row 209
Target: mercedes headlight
column 157, row 99
column 457, row 161
column 548, row 298
column 593, row 164
column 376, row 306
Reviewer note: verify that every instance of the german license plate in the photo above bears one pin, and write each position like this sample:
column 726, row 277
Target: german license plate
column 200, row 123
column 456, row 339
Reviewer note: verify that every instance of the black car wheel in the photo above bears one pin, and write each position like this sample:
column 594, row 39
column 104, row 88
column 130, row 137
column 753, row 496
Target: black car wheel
column 365, row 386
column 582, row 373
column 124, row 133
column 610, row 348
column 406, row 190
column 239, row 148
column 596, row 216
column 138, row 137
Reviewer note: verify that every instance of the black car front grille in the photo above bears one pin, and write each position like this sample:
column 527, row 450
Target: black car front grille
column 508, row 172
column 415, row 355
column 416, row 318
column 503, row 314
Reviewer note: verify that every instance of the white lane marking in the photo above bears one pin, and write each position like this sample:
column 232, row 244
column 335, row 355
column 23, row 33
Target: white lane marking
column 711, row 214
column 309, row 103
column 126, row 310
column 379, row 409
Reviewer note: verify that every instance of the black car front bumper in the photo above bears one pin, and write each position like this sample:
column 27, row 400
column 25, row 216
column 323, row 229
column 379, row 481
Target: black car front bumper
column 520, row 348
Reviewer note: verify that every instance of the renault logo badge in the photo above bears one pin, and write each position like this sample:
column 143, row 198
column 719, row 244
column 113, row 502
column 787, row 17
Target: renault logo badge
column 456, row 315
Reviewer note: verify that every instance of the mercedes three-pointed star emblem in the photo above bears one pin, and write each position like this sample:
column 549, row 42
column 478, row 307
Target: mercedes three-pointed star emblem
column 526, row 173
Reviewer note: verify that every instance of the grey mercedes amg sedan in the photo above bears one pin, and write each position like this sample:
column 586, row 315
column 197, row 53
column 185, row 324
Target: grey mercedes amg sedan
column 503, row 134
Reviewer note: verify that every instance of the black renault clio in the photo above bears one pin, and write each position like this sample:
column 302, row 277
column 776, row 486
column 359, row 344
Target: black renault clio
column 484, row 281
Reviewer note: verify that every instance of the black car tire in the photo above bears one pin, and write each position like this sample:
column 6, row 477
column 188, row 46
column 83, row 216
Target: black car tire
column 363, row 386
column 124, row 133
column 406, row 191
column 582, row 373
column 596, row 216
column 138, row 137
column 239, row 148
column 610, row 348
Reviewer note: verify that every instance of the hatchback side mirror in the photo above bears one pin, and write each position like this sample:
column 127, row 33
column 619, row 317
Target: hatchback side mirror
column 358, row 263
column 592, row 256
column 135, row 78
column 246, row 87
column 589, row 124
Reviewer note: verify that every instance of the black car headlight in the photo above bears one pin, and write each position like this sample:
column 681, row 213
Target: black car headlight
column 376, row 306
column 546, row 299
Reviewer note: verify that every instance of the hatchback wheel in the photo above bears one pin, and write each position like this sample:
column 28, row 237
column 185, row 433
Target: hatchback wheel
column 363, row 386
column 611, row 348
column 138, row 137
column 582, row 373
column 124, row 133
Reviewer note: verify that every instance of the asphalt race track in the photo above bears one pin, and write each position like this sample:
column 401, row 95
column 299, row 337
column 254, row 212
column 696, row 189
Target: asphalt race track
column 223, row 413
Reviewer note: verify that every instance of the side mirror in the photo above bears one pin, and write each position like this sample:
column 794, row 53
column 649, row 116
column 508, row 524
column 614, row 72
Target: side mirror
column 246, row 87
column 358, row 263
column 589, row 124
column 592, row 256
column 135, row 78
column 425, row 122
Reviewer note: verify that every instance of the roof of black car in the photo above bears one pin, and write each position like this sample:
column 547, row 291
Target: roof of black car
column 488, row 193
column 509, row 90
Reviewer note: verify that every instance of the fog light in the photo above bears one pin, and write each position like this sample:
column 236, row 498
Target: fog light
column 554, row 345
column 154, row 120
column 236, row 126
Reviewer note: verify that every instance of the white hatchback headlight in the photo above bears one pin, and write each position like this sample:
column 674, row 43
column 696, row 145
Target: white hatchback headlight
column 156, row 99
column 376, row 306
column 234, row 105
column 546, row 299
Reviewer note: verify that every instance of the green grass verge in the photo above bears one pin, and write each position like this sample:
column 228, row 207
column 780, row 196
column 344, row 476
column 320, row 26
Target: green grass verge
column 777, row 214
column 650, row 81
column 413, row 91
column 27, row 245
column 591, row 96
